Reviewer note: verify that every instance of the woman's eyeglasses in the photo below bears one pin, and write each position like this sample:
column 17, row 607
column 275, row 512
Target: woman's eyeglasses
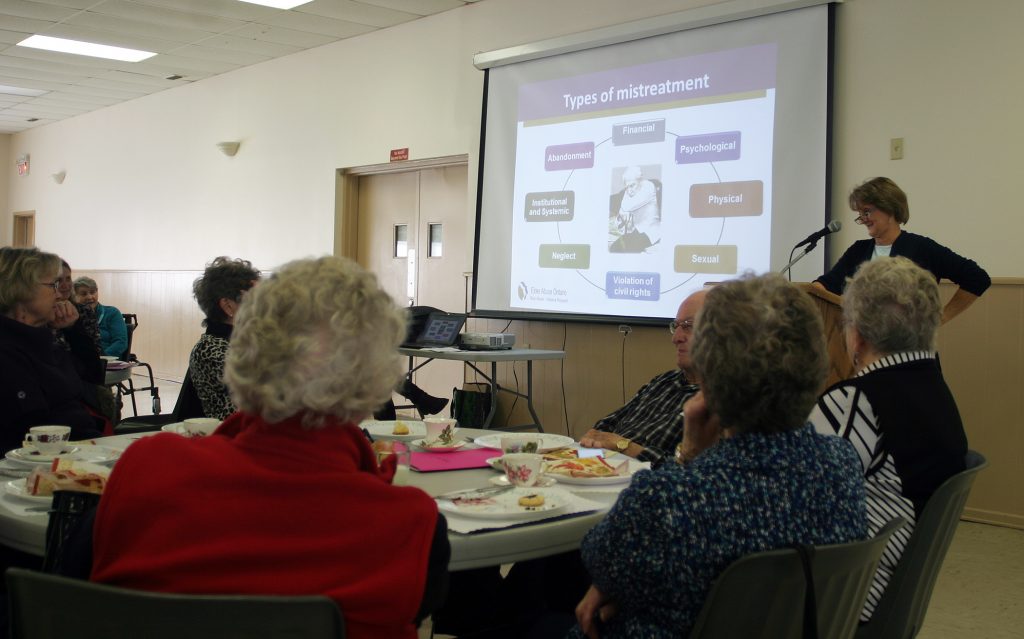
column 862, row 216
column 55, row 284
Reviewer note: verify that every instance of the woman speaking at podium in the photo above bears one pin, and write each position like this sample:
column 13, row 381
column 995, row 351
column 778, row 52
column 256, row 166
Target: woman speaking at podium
column 882, row 208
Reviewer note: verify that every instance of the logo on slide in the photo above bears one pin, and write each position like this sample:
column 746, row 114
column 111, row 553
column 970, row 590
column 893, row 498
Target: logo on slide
column 523, row 290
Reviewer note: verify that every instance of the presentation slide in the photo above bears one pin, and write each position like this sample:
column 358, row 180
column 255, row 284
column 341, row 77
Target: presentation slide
column 618, row 180
column 614, row 211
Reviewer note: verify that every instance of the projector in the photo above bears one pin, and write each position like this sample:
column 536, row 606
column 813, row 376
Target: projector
column 488, row 341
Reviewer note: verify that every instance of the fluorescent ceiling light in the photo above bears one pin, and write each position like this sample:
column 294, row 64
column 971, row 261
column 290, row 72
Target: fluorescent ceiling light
column 85, row 48
column 278, row 4
column 21, row 91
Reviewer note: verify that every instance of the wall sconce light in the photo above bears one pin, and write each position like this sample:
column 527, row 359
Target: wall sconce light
column 229, row 148
column 59, row 177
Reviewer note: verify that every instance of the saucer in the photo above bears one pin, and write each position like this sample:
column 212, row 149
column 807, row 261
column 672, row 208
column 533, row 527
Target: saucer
column 32, row 455
column 443, row 448
column 542, row 482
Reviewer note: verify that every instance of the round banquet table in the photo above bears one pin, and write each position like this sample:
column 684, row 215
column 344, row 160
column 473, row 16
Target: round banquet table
column 27, row 531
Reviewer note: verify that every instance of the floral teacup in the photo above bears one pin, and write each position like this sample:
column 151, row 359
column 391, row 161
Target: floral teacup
column 522, row 469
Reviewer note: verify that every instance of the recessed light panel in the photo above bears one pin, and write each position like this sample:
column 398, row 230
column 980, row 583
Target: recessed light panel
column 21, row 91
column 85, row 48
column 278, row 4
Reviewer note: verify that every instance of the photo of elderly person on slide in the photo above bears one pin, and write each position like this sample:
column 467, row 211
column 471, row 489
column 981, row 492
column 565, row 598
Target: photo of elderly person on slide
column 634, row 212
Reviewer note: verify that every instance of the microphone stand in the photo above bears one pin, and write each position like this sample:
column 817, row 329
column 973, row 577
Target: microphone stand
column 807, row 249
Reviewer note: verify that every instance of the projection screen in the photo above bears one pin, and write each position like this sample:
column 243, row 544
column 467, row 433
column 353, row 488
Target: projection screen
column 617, row 179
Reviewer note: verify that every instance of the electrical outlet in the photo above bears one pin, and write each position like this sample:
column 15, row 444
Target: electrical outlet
column 896, row 149
column 625, row 329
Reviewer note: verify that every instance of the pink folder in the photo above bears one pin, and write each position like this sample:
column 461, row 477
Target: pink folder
column 459, row 460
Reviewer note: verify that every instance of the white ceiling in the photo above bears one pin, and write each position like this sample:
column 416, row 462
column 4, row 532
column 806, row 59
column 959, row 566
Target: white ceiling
column 194, row 39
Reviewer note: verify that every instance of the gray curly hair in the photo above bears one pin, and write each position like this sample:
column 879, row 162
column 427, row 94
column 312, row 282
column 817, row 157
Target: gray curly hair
column 894, row 304
column 319, row 337
column 759, row 351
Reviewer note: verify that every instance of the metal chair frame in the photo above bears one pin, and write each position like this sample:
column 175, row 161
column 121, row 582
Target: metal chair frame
column 128, row 386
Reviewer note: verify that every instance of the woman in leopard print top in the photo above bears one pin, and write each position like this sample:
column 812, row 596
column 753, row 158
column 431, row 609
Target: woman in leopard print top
column 218, row 292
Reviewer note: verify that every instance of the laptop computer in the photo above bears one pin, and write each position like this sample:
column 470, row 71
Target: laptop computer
column 441, row 329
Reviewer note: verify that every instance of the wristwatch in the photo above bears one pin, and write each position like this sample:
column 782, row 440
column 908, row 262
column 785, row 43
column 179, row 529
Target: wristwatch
column 622, row 444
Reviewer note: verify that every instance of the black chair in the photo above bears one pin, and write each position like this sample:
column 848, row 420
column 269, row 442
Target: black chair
column 128, row 387
column 762, row 595
column 900, row 612
column 44, row 606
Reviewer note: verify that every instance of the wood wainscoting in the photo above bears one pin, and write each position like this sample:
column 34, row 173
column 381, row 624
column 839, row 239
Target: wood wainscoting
column 982, row 354
column 981, row 351
column 170, row 321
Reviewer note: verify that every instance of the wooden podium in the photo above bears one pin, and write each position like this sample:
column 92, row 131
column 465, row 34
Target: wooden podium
column 829, row 305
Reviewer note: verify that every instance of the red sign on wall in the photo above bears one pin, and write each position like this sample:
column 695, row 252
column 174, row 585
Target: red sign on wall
column 397, row 155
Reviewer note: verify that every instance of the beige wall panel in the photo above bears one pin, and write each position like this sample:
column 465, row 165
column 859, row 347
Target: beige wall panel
column 593, row 370
column 982, row 354
column 170, row 321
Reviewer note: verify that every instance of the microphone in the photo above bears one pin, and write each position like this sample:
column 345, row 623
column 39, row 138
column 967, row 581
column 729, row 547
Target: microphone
column 832, row 227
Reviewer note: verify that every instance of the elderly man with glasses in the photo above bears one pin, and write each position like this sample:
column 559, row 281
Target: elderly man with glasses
column 650, row 425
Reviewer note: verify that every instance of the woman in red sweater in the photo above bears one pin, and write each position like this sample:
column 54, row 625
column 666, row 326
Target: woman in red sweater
column 286, row 498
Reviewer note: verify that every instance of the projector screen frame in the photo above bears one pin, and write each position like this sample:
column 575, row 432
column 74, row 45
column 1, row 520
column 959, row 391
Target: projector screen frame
column 681, row 21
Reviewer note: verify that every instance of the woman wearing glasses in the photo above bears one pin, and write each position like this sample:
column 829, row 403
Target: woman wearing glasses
column 882, row 208
column 38, row 381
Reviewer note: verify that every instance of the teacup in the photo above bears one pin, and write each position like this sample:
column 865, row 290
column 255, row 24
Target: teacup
column 440, row 430
column 48, row 440
column 520, row 444
column 522, row 469
column 200, row 426
column 386, row 448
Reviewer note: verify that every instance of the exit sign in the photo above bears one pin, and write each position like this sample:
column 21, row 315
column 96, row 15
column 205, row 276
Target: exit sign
column 397, row 155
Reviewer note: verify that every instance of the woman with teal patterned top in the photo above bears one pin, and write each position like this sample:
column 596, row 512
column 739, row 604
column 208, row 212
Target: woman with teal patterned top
column 753, row 475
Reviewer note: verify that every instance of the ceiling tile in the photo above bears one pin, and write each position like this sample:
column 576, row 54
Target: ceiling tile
column 419, row 7
column 357, row 12
column 183, row 65
column 136, row 77
column 115, row 24
column 282, row 35
column 142, row 12
column 69, row 4
column 111, row 37
column 37, row 10
column 25, row 25
column 237, row 58
column 318, row 24
column 195, row 39
column 233, row 42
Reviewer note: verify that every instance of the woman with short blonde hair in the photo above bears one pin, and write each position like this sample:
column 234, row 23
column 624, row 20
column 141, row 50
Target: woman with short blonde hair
column 882, row 209
column 39, row 383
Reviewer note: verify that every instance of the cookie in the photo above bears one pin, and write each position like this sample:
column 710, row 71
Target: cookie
column 531, row 501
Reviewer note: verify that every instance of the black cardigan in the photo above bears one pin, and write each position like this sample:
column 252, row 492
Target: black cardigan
column 919, row 421
column 923, row 251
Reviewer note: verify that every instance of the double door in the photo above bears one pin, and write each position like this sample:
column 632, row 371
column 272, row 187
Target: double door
column 413, row 233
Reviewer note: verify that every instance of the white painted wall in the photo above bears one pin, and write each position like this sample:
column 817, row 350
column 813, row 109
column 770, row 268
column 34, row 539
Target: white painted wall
column 946, row 76
column 147, row 188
